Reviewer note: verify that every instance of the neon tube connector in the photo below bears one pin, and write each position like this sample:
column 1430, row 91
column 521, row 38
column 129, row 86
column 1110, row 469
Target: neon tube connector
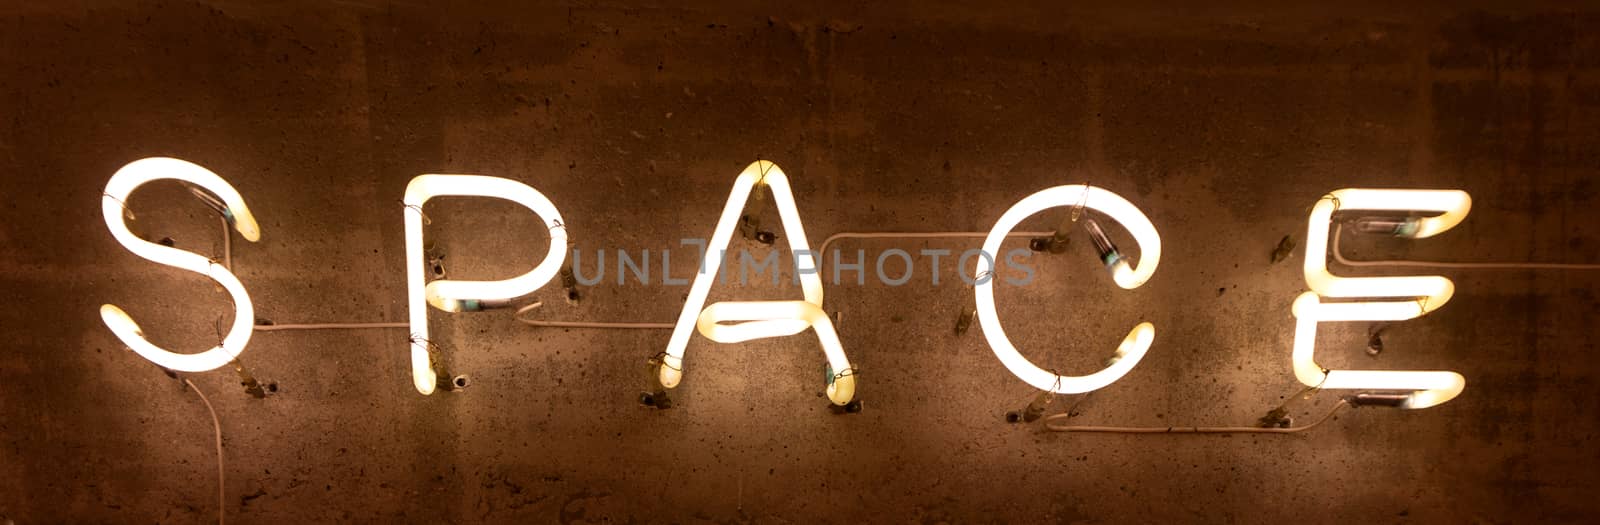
column 1452, row 206
column 1109, row 255
column 459, row 295
column 1134, row 346
column 1411, row 296
column 121, row 185
column 757, row 319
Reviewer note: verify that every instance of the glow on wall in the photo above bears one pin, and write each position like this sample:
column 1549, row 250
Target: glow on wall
column 1417, row 295
column 758, row 319
column 458, row 295
column 113, row 207
column 1135, row 345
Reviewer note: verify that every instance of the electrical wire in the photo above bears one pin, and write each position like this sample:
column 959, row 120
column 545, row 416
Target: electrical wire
column 1339, row 256
column 216, row 426
column 327, row 326
column 227, row 262
column 582, row 324
column 227, row 245
column 823, row 248
column 227, row 257
column 1053, row 427
column 579, row 324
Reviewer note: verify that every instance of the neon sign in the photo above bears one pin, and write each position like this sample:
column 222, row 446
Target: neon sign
column 1331, row 298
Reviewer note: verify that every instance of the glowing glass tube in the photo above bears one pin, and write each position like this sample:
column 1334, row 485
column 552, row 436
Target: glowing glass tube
column 449, row 295
column 1452, row 206
column 1421, row 294
column 787, row 318
column 1135, row 345
column 758, row 319
column 121, row 185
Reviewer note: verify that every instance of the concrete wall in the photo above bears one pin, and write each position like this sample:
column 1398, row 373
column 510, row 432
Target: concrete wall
column 1224, row 124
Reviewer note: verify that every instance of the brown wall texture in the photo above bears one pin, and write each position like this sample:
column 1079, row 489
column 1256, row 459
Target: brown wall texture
column 1224, row 124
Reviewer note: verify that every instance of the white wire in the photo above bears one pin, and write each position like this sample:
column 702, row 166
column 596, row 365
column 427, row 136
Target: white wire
column 580, row 324
column 1338, row 256
column 1189, row 430
column 227, row 262
column 227, row 245
column 823, row 249
column 327, row 326
column 640, row 325
column 216, row 426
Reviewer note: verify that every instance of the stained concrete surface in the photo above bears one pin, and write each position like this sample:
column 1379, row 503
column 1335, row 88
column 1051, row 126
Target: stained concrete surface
column 1223, row 123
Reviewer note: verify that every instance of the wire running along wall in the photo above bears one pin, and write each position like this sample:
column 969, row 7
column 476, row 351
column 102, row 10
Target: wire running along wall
column 1355, row 298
